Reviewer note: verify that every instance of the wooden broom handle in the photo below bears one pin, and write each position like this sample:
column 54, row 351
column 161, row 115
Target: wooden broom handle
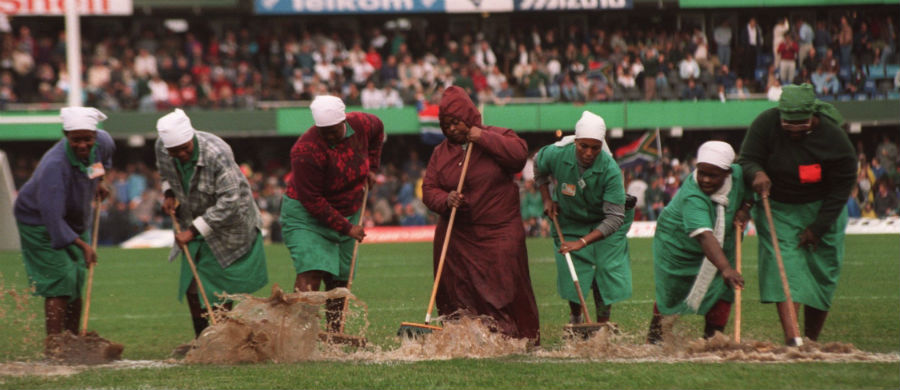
column 587, row 316
column 737, row 289
column 784, row 282
column 362, row 214
column 187, row 255
column 90, row 280
column 437, row 275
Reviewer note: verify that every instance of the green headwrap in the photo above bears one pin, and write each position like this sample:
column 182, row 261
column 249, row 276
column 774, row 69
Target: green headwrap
column 798, row 102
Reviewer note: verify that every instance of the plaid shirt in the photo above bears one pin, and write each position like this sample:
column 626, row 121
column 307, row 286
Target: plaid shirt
column 220, row 204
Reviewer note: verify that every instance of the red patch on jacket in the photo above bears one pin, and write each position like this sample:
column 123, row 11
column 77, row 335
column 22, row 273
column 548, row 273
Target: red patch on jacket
column 810, row 173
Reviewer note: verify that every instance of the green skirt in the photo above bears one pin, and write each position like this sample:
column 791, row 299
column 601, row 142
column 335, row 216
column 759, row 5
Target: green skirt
column 812, row 275
column 674, row 276
column 605, row 262
column 246, row 275
column 314, row 246
column 52, row 272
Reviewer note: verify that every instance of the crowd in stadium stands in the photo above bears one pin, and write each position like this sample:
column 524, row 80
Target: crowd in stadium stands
column 853, row 58
column 397, row 198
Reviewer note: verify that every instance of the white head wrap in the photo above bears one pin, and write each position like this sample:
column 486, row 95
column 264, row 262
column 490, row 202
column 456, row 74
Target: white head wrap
column 590, row 126
column 80, row 118
column 327, row 110
column 717, row 153
column 175, row 129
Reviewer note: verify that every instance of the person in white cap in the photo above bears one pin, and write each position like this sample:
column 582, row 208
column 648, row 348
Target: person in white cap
column 53, row 212
column 590, row 201
column 693, row 247
column 215, row 208
column 330, row 166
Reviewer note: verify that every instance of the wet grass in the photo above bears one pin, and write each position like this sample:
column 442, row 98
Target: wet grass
column 135, row 304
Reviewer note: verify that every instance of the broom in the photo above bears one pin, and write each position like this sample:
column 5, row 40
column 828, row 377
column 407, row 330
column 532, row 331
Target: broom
column 794, row 331
column 587, row 328
column 340, row 337
column 187, row 255
column 90, row 280
column 737, row 290
column 412, row 329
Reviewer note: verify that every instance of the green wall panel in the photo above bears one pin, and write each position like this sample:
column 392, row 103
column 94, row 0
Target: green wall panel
column 295, row 121
column 702, row 114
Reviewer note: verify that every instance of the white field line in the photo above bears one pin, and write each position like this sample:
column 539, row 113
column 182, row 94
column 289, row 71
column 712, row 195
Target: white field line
column 416, row 306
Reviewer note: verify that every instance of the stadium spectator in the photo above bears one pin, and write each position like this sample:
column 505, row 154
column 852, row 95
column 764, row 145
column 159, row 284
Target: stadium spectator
column 53, row 215
column 211, row 199
column 808, row 201
column 486, row 266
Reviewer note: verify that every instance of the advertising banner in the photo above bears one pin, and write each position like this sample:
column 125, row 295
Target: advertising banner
column 469, row 6
column 572, row 5
column 347, row 6
column 57, row 7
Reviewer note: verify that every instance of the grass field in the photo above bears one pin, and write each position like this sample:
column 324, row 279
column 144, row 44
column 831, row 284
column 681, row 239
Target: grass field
column 135, row 304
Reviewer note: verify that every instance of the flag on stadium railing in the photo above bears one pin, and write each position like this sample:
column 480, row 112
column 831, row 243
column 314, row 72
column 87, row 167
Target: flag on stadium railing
column 429, row 125
column 644, row 149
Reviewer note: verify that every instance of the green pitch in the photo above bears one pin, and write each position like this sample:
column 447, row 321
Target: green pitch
column 135, row 303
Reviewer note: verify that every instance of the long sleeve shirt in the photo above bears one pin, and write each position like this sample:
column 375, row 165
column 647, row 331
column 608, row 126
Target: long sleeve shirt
column 58, row 195
column 821, row 166
column 218, row 202
column 329, row 180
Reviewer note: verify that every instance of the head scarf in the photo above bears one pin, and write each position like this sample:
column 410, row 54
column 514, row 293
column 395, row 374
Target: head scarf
column 717, row 153
column 798, row 102
column 327, row 110
column 589, row 126
column 457, row 104
column 175, row 129
column 80, row 118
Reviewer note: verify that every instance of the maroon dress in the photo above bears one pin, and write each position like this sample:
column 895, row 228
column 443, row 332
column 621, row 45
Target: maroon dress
column 486, row 270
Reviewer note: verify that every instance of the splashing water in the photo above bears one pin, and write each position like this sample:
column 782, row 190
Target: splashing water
column 282, row 328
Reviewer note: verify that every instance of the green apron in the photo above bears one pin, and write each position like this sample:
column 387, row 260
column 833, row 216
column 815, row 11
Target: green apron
column 52, row 272
column 580, row 197
column 812, row 276
column 246, row 275
column 314, row 246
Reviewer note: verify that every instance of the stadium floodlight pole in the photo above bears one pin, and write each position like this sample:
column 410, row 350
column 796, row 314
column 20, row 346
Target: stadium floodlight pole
column 73, row 52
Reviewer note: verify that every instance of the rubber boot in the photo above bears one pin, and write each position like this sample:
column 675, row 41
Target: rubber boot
column 716, row 319
column 575, row 316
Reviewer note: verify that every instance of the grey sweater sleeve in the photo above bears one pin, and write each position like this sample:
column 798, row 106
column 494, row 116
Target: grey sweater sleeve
column 614, row 219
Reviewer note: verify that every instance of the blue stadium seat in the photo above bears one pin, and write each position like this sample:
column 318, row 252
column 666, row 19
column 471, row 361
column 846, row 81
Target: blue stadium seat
column 869, row 87
column 844, row 73
column 891, row 70
column 826, row 98
column 861, row 96
column 844, row 97
column 759, row 74
column 893, row 95
column 876, row 72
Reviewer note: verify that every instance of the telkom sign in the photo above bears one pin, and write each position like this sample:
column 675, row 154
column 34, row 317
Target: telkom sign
column 347, row 6
column 58, row 7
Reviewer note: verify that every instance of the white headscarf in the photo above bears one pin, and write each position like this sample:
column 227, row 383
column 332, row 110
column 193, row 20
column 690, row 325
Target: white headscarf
column 175, row 129
column 589, row 126
column 721, row 155
column 717, row 153
column 81, row 118
column 327, row 110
